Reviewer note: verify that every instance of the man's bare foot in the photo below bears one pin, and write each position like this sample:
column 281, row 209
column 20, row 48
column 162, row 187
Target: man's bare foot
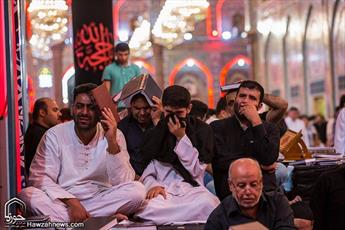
column 120, row 217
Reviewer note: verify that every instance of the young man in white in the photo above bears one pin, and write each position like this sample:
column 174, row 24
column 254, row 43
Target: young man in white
column 81, row 168
column 179, row 148
column 295, row 124
column 339, row 137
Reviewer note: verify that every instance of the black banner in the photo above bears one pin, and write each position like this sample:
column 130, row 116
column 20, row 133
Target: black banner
column 92, row 39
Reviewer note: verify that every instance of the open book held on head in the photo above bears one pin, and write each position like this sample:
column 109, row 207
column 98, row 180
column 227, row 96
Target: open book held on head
column 232, row 87
column 143, row 84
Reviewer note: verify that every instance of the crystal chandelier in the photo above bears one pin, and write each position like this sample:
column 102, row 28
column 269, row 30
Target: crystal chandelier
column 176, row 18
column 49, row 25
column 140, row 40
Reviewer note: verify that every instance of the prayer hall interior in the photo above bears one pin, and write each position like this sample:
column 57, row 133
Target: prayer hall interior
column 172, row 114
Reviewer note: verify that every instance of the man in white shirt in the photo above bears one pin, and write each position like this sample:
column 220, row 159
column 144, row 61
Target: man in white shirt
column 179, row 147
column 339, row 137
column 295, row 124
column 81, row 168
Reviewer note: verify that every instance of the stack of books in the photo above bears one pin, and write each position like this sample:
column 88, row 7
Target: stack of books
column 322, row 150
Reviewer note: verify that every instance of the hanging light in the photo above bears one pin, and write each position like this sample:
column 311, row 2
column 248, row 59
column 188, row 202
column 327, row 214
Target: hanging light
column 176, row 19
column 49, row 25
column 140, row 44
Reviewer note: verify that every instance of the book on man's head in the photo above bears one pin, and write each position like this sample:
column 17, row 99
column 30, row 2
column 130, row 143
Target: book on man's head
column 230, row 87
column 143, row 84
column 103, row 99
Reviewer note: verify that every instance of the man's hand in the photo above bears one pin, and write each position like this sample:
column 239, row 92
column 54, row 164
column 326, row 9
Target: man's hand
column 176, row 129
column 155, row 191
column 156, row 110
column 251, row 113
column 110, row 126
column 76, row 210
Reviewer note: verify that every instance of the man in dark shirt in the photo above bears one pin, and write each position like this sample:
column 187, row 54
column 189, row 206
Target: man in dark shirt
column 328, row 200
column 141, row 118
column 248, row 202
column 244, row 135
column 46, row 114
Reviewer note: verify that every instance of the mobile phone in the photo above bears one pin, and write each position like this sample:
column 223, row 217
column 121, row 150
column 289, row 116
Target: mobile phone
column 182, row 120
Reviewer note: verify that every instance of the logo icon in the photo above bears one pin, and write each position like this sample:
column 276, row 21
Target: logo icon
column 12, row 219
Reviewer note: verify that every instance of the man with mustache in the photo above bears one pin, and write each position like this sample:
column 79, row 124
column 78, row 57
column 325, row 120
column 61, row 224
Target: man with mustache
column 249, row 202
column 141, row 118
column 244, row 135
column 81, row 168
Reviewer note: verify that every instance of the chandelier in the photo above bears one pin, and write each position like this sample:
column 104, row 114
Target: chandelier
column 176, row 18
column 48, row 25
column 139, row 43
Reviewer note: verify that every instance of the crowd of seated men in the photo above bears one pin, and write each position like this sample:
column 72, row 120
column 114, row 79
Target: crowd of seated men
column 151, row 165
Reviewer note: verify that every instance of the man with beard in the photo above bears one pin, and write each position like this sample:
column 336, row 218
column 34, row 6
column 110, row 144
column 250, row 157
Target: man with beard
column 141, row 118
column 244, row 135
column 81, row 168
column 118, row 73
column 178, row 149
column 249, row 202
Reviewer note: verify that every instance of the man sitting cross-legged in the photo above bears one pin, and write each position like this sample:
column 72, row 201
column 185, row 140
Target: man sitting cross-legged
column 179, row 147
column 81, row 167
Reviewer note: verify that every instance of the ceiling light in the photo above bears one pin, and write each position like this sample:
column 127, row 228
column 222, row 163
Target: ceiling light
column 190, row 63
column 226, row 35
column 187, row 36
column 123, row 35
column 240, row 62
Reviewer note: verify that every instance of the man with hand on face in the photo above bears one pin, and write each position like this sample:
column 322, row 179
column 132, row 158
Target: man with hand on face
column 178, row 149
column 249, row 202
column 244, row 135
column 82, row 169
column 142, row 117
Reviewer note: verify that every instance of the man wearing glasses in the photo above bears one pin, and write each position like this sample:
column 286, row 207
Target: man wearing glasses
column 249, row 202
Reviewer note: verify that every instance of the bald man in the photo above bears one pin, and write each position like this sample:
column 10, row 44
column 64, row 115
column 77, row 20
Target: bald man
column 45, row 115
column 248, row 202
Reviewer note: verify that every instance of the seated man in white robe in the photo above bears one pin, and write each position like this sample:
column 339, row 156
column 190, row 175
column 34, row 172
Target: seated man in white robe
column 178, row 150
column 81, row 168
